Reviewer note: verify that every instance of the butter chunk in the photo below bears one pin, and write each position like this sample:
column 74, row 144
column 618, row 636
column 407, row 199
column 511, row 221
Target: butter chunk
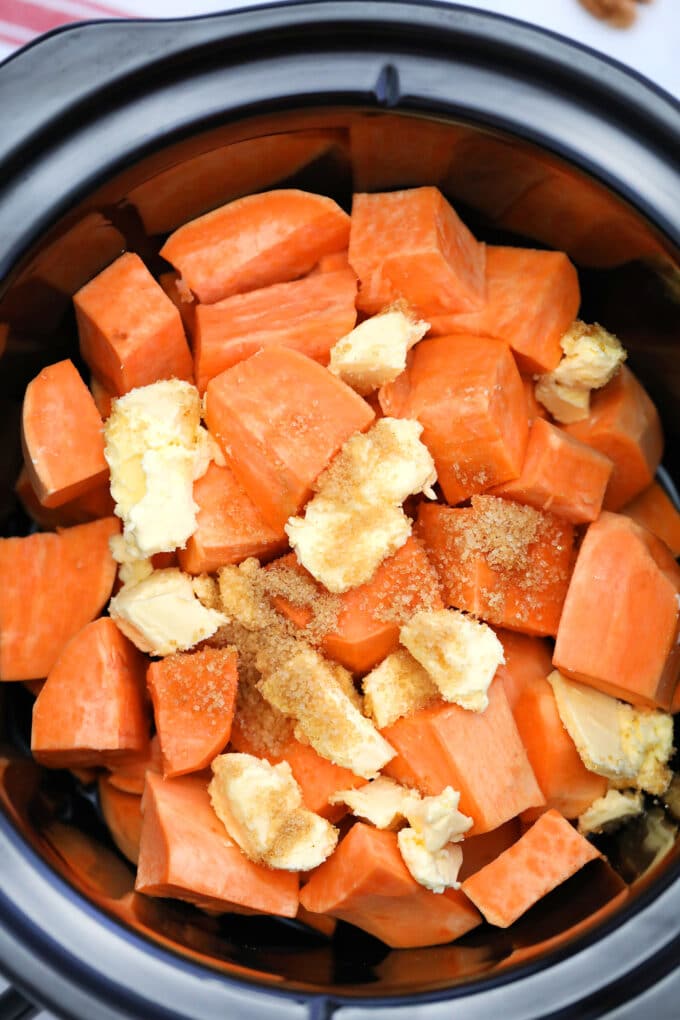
column 260, row 806
column 627, row 745
column 436, row 870
column 381, row 467
column 437, row 820
column 342, row 546
column 156, row 447
column 300, row 683
column 591, row 359
column 161, row 614
column 460, row 654
column 610, row 811
column 398, row 686
column 382, row 802
column 374, row 353
column 566, row 404
column 356, row 519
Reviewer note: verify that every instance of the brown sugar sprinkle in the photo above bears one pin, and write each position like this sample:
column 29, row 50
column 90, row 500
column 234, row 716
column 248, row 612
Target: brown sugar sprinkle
column 511, row 539
column 209, row 698
column 502, row 532
column 417, row 587
column 262, row 725
column 304, row 593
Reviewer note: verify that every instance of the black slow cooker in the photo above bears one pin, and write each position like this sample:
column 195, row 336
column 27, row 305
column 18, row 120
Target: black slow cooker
column 113, row 133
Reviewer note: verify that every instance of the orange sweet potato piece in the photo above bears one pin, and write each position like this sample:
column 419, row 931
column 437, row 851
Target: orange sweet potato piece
column 478, row 851
column 411, row 245
column 507, row 564
column 560, row 474
column 50, row 587
column 280, row 418
column 566, row 783
column 89, row 507
column 469, row 397
column 623, row 425
column 366, row 883
column 316, row 776
column 478, row 753
column 101, row 396
column 193, row 697
column 654, row 510
column 229, row 526
column 129, row 775
column 123, row 815
column 332, row 263
column 281, row 235
column 91, row 710
column 308, row 315
column 526, row 659
column 185, row 852
column 532, row 297
column 619, row 626
column 130, row 332
column 367, row 618
column 545, row 856
column 61, row 434
column 182, row 299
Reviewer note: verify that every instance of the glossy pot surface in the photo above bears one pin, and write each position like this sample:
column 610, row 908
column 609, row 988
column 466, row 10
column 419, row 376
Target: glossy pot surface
column 111, row 135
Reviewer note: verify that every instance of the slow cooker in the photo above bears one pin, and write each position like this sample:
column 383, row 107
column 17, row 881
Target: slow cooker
column 112, row 134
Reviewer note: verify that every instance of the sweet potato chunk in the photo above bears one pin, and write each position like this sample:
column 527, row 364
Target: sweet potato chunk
column 619, row 627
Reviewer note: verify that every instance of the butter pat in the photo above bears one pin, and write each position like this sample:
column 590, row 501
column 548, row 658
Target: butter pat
column 161, row 614
column 356, row 519
column 435, row 871
column 398, row 686
column 343, row 545
column 610, row 811
column 156, row 447
column 437, row 820
column 626, row 744
column 260, row 806
column 374, row 353
column 460, row 654
column 382, row 802
column 566, row 404
column 592, row 357
column 298, row 681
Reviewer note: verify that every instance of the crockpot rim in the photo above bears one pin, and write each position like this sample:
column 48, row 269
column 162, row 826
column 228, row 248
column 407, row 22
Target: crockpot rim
column 572, row 947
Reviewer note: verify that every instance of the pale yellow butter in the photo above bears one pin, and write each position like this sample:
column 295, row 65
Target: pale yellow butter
column 161, row 613
column 628, row 745
column 436, row 870
column 398, row 686
column 356, row 519
column 156, row 447
column 260, row 806
column 374, row 353
column 460, row 654
column 610, row 811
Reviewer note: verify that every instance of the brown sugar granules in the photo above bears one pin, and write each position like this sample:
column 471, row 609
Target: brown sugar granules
column 502, row 532
column 302, row 592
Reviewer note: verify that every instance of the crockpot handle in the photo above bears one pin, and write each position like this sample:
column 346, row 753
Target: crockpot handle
column 13, row 1006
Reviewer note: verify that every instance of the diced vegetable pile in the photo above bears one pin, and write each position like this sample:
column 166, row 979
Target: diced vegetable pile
column 354, row 585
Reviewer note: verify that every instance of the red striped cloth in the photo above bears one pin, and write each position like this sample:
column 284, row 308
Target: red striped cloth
column 23, row 20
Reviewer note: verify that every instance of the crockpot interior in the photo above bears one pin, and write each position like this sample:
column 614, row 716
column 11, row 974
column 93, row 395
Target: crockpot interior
column 509, row 192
